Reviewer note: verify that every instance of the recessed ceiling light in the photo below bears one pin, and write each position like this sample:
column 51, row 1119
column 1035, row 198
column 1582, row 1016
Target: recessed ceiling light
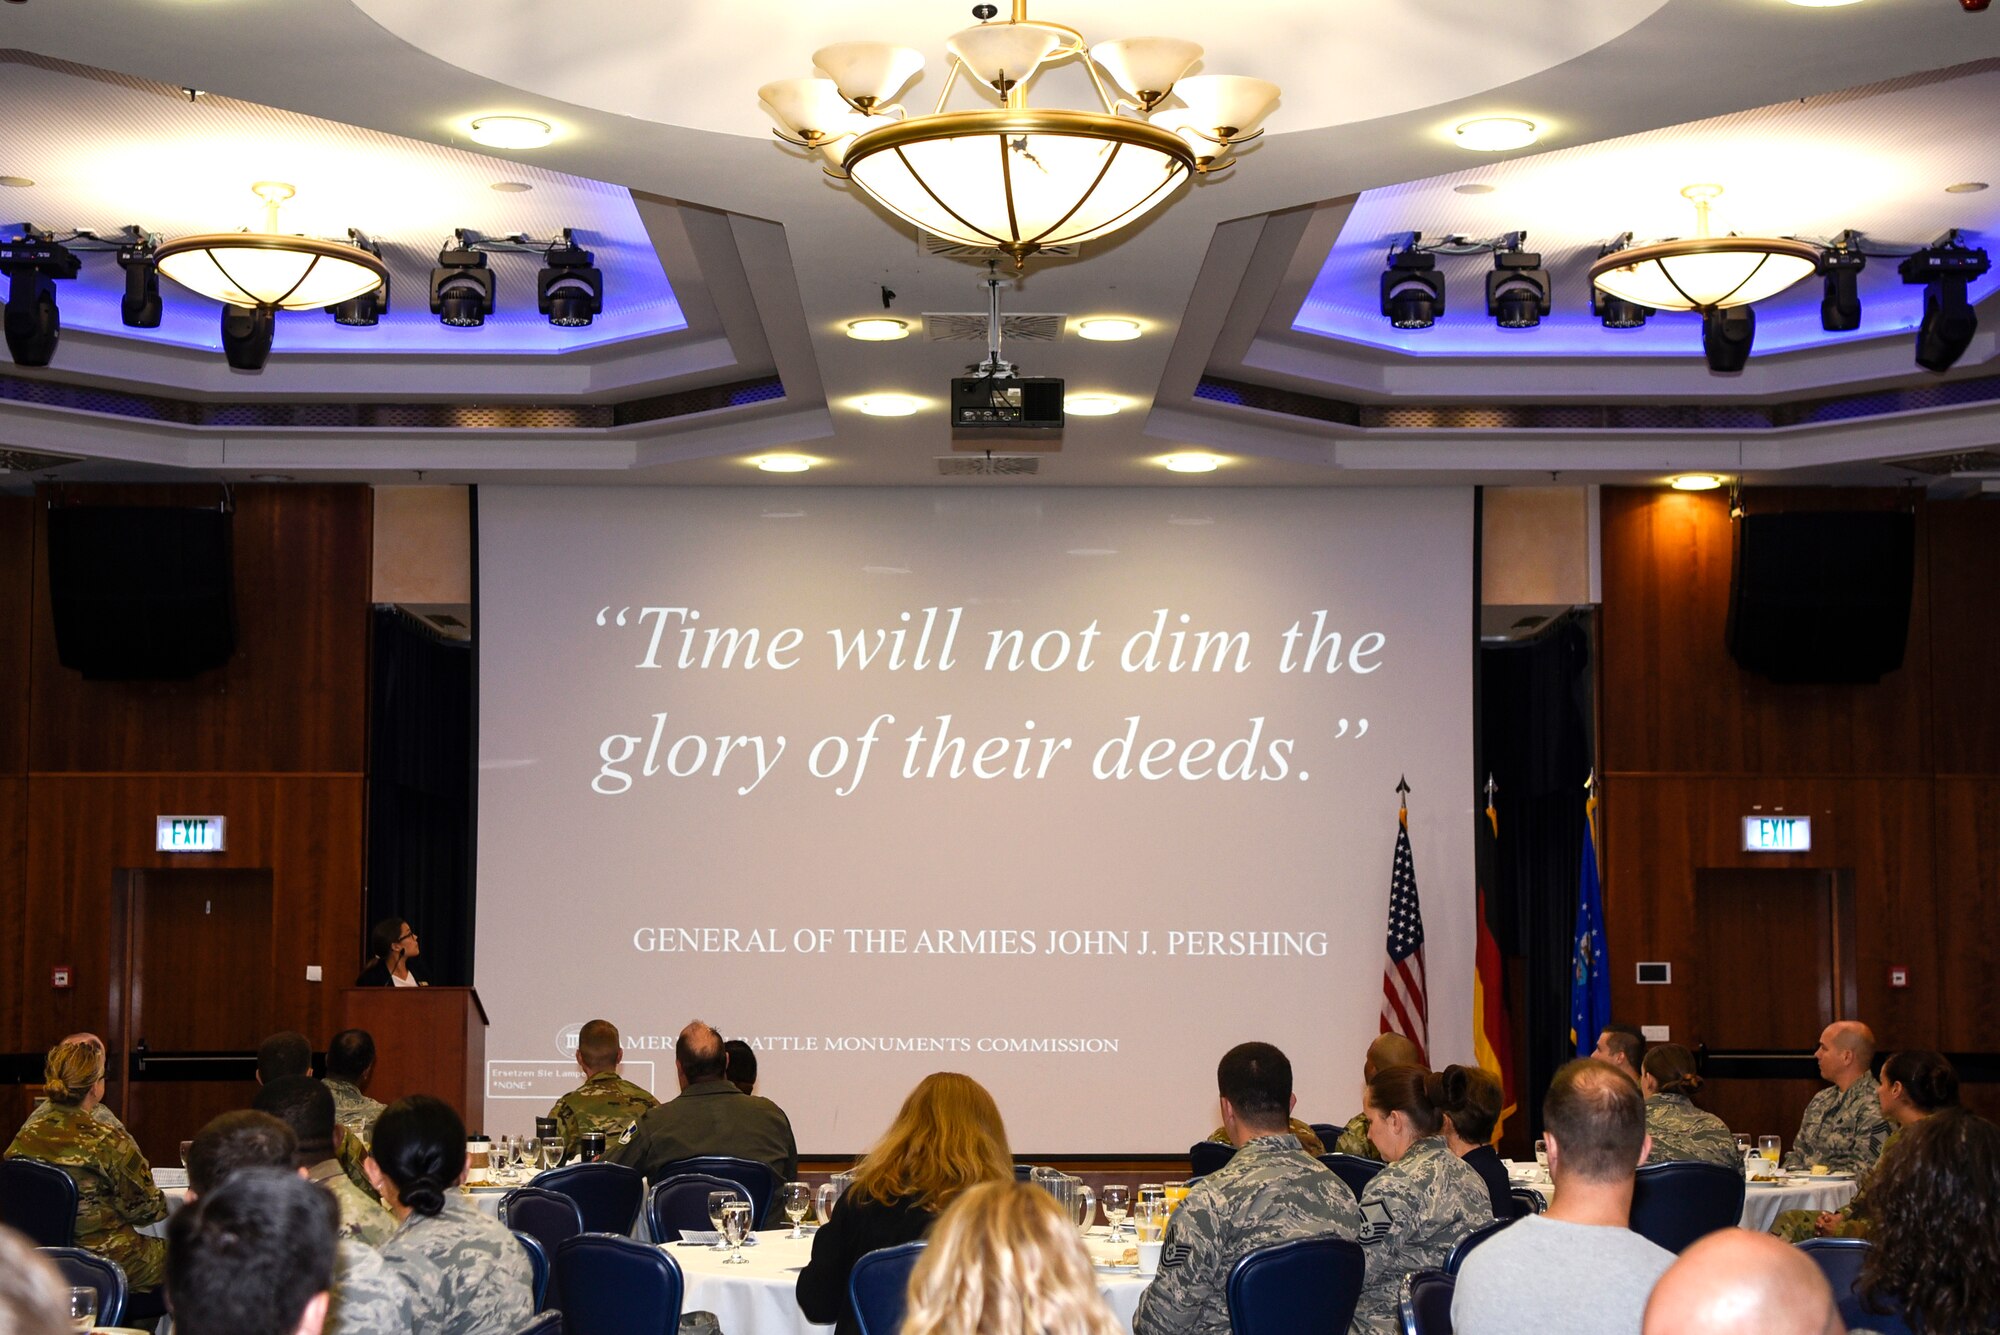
column 511, row 131
column 886, row 405
column 1191, row 463
column 271, row 477
column 1823, row 4
column 1496, row 134
column 510, row 187
column 1092, row 405
column 784, row 463
column 17, row 182
column 878, row 329
column 1107, row 330
column 1697, row 482
column 885, row 570
column 1475, row 188
column 1962, row 188
column 1091, row 551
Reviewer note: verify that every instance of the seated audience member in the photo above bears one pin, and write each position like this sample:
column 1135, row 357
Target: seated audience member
column 1622, row 1046
column 710, row 1116
column 1270, row 1191
column 1843, row 1127
column 306, row 1106
column 102, row 1111
column 947, row 1137
column 394, row 946
column 1386, row 1051
column 1678, row 1128
column 468, row 1273
column 32, row 1292
column 1423, row 1201
column 1733, row 1282
column 1468, row 1099
column 367, row 1298
column 740, row 1065
column 1002, row 1260
column 605, row 1101
column 115, row 1195
column 1910, row 1087
column 252, row 1257
column 1579, row 1269
column 350, row 1061
column 1932, row 1203
column 1309, row 1140
column 283, row 1054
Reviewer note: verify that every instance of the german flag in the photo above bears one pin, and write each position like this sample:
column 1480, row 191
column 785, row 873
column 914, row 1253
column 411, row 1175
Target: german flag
column 1491, row 1044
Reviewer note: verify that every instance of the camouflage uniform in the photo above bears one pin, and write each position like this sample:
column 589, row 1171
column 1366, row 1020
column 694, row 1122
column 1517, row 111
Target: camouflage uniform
column 1308, row 1140
column 1354, row 1139
column 100, row 1113
column 353, row 1109
column 468, row 1273
column 1682, row 1131
column 360, row 1217
column 1413, row 1213
column 368, row 1297
column 1844, row 1130
column 606, row 1102
column 1269, row 1192
column 350, row 1152
column 1798, row 1225
column 115, row 1194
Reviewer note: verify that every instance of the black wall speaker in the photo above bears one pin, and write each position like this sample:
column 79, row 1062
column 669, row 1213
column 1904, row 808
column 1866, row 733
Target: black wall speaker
column 1822, row 596
column 141, row 593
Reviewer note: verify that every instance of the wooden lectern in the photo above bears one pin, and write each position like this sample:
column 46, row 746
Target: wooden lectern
column 428, row 1040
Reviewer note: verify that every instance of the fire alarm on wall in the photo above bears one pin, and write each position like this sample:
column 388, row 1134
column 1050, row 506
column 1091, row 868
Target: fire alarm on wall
column 1899, row 975
column 59, row 976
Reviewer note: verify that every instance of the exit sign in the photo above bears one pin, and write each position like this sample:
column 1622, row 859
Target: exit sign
column 1777, row 834
column 188, row 834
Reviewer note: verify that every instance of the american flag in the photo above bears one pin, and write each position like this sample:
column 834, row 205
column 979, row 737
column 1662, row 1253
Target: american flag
column 1405, row 1009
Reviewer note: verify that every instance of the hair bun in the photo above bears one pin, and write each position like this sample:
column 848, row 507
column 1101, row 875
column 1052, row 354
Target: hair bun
column 424, row 1194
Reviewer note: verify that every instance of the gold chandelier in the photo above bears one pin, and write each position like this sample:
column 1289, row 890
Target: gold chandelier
column 1016, row 177
column 270, row 270
column 1703, row 272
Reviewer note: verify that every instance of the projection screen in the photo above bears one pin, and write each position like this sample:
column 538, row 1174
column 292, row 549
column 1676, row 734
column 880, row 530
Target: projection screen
column 1069, row 790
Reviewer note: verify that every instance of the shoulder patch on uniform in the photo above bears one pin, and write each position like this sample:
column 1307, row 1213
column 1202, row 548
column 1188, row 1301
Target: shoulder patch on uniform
column 1175, row 1255
column 626, row 1139
column 1376, row 1222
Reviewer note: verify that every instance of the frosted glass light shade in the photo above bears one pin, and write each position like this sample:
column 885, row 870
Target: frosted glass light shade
column 1232, row 102
column 1146, row 67
column 807, row 106
column 291, row 273
column 1702, row 272
column 1013, row 51
column 868, row 73
column 1019, row 180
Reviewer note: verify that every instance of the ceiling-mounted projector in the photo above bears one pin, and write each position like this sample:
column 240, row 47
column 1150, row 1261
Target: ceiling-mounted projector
column 994, row 404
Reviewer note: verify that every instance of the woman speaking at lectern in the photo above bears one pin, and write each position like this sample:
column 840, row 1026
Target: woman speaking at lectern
column 395, row 945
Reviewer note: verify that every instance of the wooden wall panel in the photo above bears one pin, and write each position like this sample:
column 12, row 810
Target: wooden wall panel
column 1674, row 701
column 1968, row 907
column 13, row 910
column 292, row 699
column 1965, row 635
column 17, row 559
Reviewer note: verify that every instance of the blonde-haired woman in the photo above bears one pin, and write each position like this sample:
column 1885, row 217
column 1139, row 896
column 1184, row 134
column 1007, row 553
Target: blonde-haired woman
column 1004, row 1261
column 115, row 1195
column 947, row 1138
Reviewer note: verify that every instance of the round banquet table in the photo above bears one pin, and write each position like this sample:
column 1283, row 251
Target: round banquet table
column 1763, row 1202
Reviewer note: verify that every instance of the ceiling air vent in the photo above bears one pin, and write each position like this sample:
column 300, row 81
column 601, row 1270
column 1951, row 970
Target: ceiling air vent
column 932, row 244
column 21, row 461
column 988, row 465
column 970, row 327
column 1946, row 465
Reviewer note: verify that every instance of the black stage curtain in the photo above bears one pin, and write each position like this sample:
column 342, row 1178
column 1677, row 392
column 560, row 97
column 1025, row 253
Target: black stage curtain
column 420, row 858
column 1536, row 740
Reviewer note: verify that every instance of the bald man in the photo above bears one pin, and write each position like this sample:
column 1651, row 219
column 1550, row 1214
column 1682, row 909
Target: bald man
column 1843, row 1127
column 1735, row 1282
column 1386, row 1051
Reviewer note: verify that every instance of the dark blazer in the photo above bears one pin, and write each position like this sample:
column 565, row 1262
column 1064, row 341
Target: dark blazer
column 858, row 1227
column 377, row 975
column 1487, row 1160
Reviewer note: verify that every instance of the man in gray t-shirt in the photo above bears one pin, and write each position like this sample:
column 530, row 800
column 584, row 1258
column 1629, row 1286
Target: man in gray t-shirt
column 1579, row 1269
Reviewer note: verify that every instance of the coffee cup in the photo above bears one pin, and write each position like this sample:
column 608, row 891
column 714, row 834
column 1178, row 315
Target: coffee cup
column 1149, row 1257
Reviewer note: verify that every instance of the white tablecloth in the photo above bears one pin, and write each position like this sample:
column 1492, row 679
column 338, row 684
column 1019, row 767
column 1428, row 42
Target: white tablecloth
column 1762, row 1202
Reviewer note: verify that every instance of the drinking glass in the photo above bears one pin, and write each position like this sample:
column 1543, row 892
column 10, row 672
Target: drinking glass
column 1742, row 1146
column 798, row 1200
column 1175, row 1193
column 735, row 1228
column 552, row 1152
column 1542, row 1155
column 186, row 1145
column 82, row 1307
column 1117, row 1202
column 1768, row 1147
column 718, row 1202
column 503, row 1157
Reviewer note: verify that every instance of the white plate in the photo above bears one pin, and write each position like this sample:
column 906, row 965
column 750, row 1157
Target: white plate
column 1103, row 1268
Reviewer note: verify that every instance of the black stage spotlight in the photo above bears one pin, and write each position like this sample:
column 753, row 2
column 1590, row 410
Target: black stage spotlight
column 247, row 332
column 1840, row 307
column 1949, row 321
column 569, row 291
column 141, row 307
column 1616, row 312
column 33, row 324
column 1726, row 336
column 461, row 289
column 368, row 308
column 1412, row 290
column 1517, row 289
